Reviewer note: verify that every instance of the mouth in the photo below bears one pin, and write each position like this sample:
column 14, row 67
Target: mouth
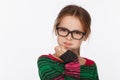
column 67, row 44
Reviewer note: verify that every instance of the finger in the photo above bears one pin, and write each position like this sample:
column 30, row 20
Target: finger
column 56, row 49
column 64, row 49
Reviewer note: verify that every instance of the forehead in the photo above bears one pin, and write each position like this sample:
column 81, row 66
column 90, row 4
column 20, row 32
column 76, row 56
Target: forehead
column 71, row 23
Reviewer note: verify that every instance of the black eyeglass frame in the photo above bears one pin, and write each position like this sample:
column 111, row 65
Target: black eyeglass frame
column 70, row 32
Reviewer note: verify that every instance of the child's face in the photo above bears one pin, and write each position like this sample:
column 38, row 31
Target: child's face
column 70, row 23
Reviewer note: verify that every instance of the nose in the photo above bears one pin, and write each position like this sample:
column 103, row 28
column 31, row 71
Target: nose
column 69, row 37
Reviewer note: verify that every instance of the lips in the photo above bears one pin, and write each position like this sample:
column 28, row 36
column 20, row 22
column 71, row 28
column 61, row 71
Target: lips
column 67, row 44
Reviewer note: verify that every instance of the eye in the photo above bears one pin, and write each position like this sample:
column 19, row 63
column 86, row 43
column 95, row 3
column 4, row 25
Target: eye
column 77, row 32
column 62, row 31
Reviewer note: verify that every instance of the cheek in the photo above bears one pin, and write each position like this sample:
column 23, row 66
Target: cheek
column 77, row 44
column 60, row 40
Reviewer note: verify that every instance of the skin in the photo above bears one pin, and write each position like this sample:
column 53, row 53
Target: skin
column 68, row 43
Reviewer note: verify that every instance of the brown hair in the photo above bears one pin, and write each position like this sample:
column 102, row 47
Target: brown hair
column 78, row 12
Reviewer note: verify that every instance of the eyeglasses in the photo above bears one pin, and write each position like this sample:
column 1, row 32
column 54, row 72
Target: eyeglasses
column 64, row 32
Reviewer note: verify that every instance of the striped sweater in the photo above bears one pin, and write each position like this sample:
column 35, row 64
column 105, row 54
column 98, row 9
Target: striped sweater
column 50, row 68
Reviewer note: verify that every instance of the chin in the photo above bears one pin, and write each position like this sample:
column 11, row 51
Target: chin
column 72, row 48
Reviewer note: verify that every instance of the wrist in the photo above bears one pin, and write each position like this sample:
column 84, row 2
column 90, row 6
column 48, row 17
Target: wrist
column 68, row 56
column 56, row 56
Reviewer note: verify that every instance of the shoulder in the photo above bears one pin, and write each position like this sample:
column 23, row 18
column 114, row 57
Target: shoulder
column 89, row 62
column 44, row 60
column 48, row 58
column 43, row 57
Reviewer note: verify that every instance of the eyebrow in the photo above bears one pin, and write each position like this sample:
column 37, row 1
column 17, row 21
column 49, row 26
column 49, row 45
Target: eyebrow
column 70, row 30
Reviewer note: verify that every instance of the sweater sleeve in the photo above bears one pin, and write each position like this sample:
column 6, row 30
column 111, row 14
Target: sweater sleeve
column 72, row 65
column 51, row 70
column 96, row 77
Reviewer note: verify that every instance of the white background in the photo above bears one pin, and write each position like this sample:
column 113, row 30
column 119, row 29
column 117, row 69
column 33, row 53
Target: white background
column 26, row 33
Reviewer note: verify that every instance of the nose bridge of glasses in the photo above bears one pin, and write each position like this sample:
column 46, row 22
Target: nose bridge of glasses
column 70, row 34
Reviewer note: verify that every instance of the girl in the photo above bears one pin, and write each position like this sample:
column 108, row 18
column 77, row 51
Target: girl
column 72, row 27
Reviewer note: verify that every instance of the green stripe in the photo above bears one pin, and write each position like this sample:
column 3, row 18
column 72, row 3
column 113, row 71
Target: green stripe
column 49, row 69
